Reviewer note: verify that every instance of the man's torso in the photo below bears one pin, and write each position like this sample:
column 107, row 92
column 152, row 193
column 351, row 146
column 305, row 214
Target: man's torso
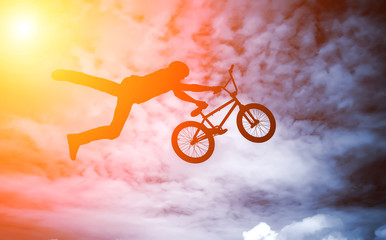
column 143, row 88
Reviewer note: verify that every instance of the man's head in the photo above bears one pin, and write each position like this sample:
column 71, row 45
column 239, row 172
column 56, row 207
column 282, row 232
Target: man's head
column 179, row 69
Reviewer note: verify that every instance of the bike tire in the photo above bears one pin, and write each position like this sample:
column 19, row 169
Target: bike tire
column 182, row 137
column 264, row 128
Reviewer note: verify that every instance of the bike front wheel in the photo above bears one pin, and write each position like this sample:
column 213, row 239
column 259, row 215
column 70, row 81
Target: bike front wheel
column 256, row 122
column 192, row 142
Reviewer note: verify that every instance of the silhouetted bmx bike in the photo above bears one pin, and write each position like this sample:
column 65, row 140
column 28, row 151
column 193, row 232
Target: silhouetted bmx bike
column 194, row 142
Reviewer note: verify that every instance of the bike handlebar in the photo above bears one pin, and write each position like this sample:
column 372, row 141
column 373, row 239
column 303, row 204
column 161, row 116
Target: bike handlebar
column 231, row 69
column 198, row 110
column 233, row 81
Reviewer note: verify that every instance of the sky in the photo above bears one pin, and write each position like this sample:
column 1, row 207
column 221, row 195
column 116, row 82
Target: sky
column 317, row 65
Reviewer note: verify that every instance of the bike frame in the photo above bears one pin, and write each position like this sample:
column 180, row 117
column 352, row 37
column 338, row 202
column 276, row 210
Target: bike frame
column 234, row 100
column 205, row 118
column 193, row 141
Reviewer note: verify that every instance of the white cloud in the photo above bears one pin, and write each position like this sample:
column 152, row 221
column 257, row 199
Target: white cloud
column 335, row 236
column 317, row 227
column 380, row 232
column 261, row 232
column 309, row 227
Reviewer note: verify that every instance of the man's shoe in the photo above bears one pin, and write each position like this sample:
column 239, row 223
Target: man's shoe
column 73, row 146
column 218, row 131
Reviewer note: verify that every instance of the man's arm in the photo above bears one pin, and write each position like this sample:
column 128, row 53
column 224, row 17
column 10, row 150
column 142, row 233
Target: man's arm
column 185, row 97
column 197, row 88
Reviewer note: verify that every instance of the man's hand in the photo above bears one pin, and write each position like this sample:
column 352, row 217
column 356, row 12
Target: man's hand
column 216, row 89
column 201, row 104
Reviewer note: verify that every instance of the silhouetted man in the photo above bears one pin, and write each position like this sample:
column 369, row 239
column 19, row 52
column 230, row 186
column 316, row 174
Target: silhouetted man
column 133, row 89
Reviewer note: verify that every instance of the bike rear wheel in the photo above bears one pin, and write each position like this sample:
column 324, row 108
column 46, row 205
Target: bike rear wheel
column 192, row 142
column 256, row 122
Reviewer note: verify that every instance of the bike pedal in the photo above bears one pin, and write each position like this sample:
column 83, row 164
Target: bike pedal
column 222, row 131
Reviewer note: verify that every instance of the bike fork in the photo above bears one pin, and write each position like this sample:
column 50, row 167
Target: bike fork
column 251, row 121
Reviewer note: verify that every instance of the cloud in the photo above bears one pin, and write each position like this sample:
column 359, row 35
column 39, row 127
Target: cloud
column 309, row 227
column 380, row 232
column 261, row 232
column 320, row 226
column 318, row 65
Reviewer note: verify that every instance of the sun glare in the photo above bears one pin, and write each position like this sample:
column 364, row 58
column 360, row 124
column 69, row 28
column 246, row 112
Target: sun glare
column 24, row 29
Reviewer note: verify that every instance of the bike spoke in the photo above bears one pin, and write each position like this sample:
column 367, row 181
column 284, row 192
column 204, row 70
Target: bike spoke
column 202, row 148
column 185, row 138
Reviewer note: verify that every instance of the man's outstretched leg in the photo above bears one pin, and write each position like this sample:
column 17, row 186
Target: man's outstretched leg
column 111, row 131
column 97, row 83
